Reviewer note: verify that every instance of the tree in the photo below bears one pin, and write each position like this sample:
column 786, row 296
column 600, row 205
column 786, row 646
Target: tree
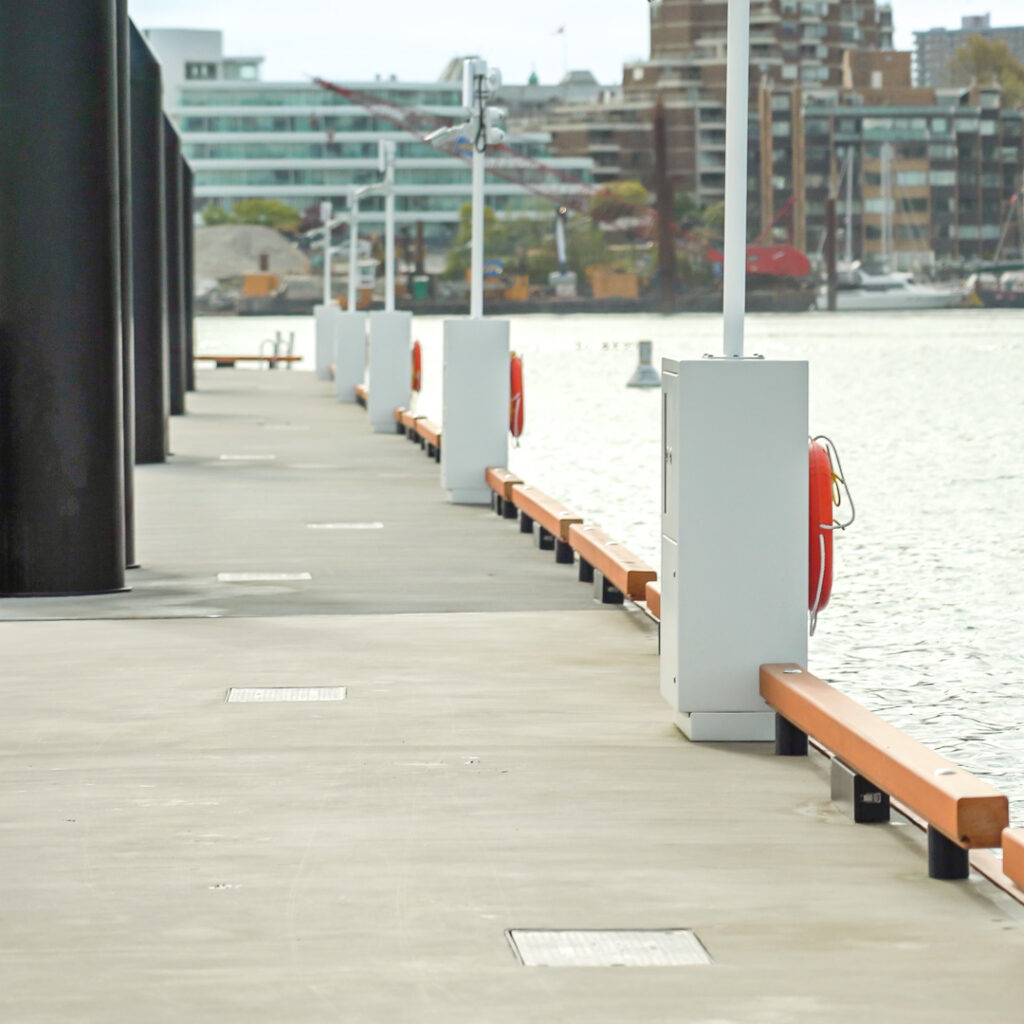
column 213, row 215
column 990, row 62
column 684, row 209
column 619, row 199
column 269, row 212
column 457, row 262
column 714, row 218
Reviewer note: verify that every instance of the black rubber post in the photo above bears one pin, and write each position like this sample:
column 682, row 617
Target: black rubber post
column 175, row 269
column 525, row 523
column 124, row 181
column 564, row 553
column 148, row 273
column 61, row 426
column 544, row 539
column 509, row 511
column 946, row 860
column 586, row 572
column 605, row 592
column 188, row 255
column 789, row 740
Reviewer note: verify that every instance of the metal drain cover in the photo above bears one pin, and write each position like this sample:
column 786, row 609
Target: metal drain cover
column 677, row 947
column 267, row 694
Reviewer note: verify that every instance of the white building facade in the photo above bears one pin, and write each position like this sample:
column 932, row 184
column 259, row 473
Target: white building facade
column 301, row 144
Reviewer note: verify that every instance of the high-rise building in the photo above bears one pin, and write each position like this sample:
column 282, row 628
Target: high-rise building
column 300, row 144
column 935, row 49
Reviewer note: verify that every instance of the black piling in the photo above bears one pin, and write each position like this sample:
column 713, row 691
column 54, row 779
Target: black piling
column 175, row 268
column 61, row 425
column 124, row 156
column 189, row 271
column 148, row 272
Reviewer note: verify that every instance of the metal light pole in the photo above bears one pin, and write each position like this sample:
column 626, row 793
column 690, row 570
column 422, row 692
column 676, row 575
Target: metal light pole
column 326, row 212
column 353, row 247
column 387, row 167
column 737, row 96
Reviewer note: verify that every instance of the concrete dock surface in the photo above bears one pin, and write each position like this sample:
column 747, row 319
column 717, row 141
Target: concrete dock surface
column 502, row 760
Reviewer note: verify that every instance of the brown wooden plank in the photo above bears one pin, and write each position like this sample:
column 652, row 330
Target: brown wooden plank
column 408, row 419
column 652, row 591
column 1013, row 855
column 429, row 431
column 551, row 514
column 501, row 481
column 963, row 808
column 361, row 392
column 617, row 563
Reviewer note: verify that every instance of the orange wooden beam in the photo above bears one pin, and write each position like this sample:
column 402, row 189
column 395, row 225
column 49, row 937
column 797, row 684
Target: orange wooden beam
column 618, row 564
column 501, row 481
column 551, row 514
column 1013, row 855
column 966, row 810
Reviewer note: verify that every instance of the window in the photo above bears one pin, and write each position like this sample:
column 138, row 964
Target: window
column 199, row 70
column 942, row 177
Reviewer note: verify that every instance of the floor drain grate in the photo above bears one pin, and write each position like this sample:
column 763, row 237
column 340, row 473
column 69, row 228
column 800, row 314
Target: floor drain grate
column 269, row 694
column 677, row 947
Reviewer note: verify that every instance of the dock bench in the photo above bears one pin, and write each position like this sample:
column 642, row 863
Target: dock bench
column 362, row 394
column 553, row 520
column 430, row 437
column 501, row 481
column 873, row 761
column 406, row 420
column 1013, row 855
column 613, row 569
column 652, row 594
column 229, row 361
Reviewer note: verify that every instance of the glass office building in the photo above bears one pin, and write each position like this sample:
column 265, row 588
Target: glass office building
column 301, row 144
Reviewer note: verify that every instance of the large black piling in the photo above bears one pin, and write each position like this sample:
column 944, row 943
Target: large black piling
column 148, row 257
column 175, row 268
column 124, row 156
column 61, row 427
column 189, row 273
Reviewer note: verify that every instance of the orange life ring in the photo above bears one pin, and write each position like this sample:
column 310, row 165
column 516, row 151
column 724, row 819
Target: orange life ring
column 820, row 520
column 515, row 407
column 417, row 366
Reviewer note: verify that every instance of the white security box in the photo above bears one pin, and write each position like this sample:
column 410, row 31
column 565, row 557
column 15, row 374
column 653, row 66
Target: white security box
column 390, row 368
column 349, row 355
column 476, row 407
column 734, row 538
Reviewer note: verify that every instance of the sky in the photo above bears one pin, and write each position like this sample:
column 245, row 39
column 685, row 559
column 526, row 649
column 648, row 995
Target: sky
column 414, row 39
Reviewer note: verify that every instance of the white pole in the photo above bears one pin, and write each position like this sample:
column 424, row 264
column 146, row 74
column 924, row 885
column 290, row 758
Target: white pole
column 326, row 212
column 737, row 90
column 849, row 205
column 476, row 259
column 353, row 247
column 388, row 159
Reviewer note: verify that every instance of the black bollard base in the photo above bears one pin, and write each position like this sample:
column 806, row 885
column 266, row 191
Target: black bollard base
column 789, row 740
column 605, row 592
column 525, row 523
column 586, row 572
column 946, row 860
column 563, row 552
column 544, row 539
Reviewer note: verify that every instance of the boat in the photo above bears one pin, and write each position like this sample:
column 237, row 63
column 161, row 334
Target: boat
column 1003, row 291
column 857, row 289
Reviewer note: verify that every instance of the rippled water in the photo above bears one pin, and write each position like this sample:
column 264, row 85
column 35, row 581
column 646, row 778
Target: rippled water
column 926, row 622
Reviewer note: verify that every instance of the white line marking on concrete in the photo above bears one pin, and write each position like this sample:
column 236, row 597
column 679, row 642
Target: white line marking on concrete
column 271, row 694
column 261, row 577
column 344, row 526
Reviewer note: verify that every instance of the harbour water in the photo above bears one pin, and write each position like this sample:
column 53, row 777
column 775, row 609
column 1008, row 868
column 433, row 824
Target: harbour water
column 926, row 622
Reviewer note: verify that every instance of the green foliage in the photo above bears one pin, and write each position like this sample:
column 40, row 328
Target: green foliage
column 684, row 208
column 714, row 217
column 268, row 212
column 619, row 199
column 214, row 215
column 990, row 62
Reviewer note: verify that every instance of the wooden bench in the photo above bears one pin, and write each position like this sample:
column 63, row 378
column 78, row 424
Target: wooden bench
column 362, row 394
column 1013, row 855
column 430, row 437
column 407, row 423
column 501, row 481
column 553, row 520
column 621, row 572
column 962, row 812
column 229, row 361
column 652, row 592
